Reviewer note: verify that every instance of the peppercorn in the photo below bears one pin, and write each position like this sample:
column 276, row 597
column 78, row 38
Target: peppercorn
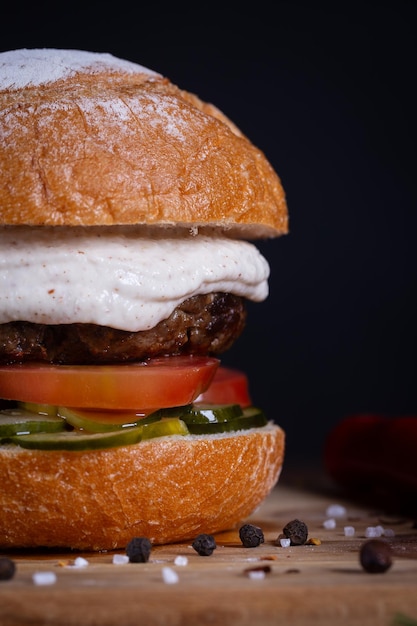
column 7, row 568
column 296, row 531
column 251, row 536
column 139, row 549
column 375, row 556
column 204, row 544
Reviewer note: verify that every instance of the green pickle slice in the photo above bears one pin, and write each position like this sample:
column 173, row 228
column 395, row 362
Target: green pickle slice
column 78, row 440
column 57, row 428
column 17, row 420
column 42, row 409
column 211, row 413
column 86, row 421
column 165, row 427
column 251, row 417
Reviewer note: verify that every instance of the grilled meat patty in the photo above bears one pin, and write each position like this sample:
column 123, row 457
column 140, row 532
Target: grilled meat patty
column 204, row 324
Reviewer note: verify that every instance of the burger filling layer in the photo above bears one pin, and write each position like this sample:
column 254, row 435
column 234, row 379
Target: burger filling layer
column 117, row 278
column 204, row 324
column 110, row 295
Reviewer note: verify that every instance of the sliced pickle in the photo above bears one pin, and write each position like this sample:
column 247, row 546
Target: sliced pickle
column 78, row 440
column 211, row 413
column 164, row 427
column 99, row 421
column 19, row 421
column 252, row 418
column 174, row 411
column 41, row 409
column 44, row 432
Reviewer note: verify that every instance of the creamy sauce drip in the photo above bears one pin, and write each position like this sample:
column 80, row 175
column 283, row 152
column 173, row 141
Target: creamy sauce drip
column 117, row 277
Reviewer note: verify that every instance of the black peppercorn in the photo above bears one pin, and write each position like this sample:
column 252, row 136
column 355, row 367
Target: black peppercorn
column 375, row 556
column 251, row 536
column 139, row 549
column 204, row 544
column 7, row 568
column 296, row 531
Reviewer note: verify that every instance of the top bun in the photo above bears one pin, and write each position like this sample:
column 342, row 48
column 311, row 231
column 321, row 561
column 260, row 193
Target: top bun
column 88, row 139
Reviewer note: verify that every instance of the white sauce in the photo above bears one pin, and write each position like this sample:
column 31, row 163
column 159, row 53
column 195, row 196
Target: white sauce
column 117, row 277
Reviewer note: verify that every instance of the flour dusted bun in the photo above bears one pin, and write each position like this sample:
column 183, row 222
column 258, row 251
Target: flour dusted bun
column 94, row 147
column 95, row 140
column 168, row 489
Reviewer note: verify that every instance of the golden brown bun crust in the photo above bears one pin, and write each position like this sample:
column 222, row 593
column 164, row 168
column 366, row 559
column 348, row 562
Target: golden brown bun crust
column 113, row 147
column 167, row 489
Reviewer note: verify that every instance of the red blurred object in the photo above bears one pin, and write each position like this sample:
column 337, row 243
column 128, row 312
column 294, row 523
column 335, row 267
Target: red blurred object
column 375, row 456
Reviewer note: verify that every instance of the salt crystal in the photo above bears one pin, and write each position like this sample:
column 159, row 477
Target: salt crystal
column 329, row 524
column 285, row 542
column 120, row 559
column 44, row 578
column 181, row 560
column 349, row 531
column 80, row 562
column 389, row 532
column 170, row 576
column 374, row 531
column 256, row 574
column 335, row 510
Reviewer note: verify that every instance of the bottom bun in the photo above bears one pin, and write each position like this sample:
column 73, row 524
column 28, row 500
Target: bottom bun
column 168, row 489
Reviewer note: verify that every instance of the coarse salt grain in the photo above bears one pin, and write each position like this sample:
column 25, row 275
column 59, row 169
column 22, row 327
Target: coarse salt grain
column 181, row 560
column 120, row 559
column 335, row 510
column 256, row 574
column 44, row 578
column 169, row 576
column 389, row 532
column 374, row 531
column 285, row 543
column 80, row 562
column 329, row 524
column 349, row 531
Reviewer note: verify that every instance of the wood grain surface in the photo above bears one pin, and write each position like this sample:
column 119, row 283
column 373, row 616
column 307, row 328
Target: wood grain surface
column 321, row 584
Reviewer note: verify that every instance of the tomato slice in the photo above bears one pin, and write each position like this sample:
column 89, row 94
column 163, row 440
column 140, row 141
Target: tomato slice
column 157, row 383
column 229, row 386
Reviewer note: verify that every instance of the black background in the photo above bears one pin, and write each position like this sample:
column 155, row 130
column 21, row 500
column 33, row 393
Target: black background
column 326, row 90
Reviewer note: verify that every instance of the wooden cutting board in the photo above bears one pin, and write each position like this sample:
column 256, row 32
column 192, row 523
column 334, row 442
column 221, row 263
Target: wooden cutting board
column 320, row 584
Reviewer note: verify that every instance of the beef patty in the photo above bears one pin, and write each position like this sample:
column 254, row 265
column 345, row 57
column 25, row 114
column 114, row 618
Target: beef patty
column 203, row 324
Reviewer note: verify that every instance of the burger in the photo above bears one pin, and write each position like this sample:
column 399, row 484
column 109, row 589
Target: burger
column 129, row 209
